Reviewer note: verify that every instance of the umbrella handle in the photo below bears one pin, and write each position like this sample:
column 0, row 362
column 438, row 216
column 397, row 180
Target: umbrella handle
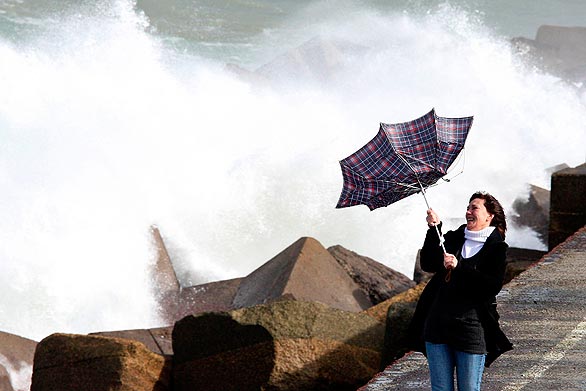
column 448, row 276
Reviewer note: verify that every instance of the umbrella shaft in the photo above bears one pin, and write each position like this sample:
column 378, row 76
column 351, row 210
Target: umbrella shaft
column 441, row 238
column 439, row 234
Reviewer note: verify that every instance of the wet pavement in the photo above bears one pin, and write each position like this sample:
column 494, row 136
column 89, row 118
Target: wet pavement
column 543, row 312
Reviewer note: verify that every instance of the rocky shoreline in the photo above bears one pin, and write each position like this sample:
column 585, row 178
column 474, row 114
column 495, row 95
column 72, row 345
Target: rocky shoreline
column 280, row 337
column 311, row 318
column 324, row 319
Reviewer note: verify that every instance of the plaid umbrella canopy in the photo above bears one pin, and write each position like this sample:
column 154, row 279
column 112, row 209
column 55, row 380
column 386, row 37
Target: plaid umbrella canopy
column 402, row 159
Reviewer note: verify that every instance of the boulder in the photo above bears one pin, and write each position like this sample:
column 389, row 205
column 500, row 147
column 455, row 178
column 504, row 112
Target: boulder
column 97, row 363
column 519, row 260
column 163, row 274
column 210, row 297
column 380, row 282
column 16, row 362
column 534, row 211
column 557, row 49
column 175, row 301
column 215, row 352
column 157, row 340
column 419, row 276
column 568, row 203
column 164, row 283
column 396, row 313
column 380, row 311
column 284, row 345
column 569, row 43
column 304, row 271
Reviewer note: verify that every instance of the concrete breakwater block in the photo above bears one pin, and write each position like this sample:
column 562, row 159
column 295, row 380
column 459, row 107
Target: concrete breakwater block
column 380, row 282
column 285, row 345
column 557, row 49
column 567, row 204
column 303, row 271
column 157, row 340
column 95, row 363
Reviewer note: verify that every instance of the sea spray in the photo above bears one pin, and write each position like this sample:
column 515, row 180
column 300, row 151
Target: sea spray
column 108, row 128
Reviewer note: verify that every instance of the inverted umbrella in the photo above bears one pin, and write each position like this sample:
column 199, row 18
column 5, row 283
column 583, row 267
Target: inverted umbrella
column 401, row 160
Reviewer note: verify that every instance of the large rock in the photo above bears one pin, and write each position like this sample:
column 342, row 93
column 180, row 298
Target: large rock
column 419, row 275
column 285, row 345
column 396, row 313
column 164, row 283
column 175, row 301
column 377, row 280
column 157, row 340
column 65, row 362
column 163, row 274
column 557, row 49
column 210, row 297
column 304, row 271
column 16, row 362
column 533, row 212
column 568, row 203
column 519, row 260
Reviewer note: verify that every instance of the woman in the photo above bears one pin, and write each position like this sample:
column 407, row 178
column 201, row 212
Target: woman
column 456, row 323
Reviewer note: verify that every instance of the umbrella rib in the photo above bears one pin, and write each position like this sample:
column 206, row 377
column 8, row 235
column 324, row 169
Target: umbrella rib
column 405, row 185
column 461, row 157
column 404, row 158
column 416, row 187
column 408, row 164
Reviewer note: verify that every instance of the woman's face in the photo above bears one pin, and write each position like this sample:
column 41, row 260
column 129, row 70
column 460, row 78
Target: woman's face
column 477, row 217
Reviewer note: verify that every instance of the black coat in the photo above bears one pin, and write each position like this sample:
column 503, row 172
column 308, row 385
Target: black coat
column 479, row 282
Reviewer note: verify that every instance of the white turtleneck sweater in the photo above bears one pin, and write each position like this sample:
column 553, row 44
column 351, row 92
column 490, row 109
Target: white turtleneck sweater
column 474, row 241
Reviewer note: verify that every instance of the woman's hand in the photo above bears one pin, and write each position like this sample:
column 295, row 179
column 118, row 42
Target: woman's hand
column 432, row 218
column 450, row 261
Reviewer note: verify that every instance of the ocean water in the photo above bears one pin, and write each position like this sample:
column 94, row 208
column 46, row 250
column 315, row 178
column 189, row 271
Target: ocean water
column 207, row 119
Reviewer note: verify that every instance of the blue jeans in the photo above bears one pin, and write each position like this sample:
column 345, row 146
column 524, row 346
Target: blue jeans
column 442, row 360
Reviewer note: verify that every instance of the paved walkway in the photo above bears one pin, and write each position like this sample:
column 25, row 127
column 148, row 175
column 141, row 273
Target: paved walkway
column 543, row 312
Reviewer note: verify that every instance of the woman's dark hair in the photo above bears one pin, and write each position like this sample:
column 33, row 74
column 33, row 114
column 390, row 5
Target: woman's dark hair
column 494, row 208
